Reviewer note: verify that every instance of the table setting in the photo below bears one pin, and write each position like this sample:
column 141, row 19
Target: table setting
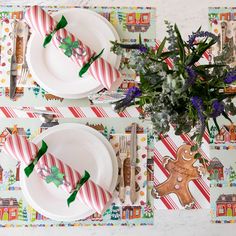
column 103, row 123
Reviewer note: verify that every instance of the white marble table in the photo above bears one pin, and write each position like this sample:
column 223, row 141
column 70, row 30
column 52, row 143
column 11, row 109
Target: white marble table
column 189, row 15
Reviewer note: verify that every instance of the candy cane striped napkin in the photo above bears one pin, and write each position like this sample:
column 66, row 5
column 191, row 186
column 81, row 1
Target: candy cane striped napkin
column 90, row 193
column 101, row 70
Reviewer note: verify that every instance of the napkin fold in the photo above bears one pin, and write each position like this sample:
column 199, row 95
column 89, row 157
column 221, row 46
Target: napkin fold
column 91, row 194
column 101, row 70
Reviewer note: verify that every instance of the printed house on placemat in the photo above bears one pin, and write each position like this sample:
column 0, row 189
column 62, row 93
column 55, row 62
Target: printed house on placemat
column 8, row 209
column 226, row 205
column 137, row 22
column 226, row 134
column 131, row 212
column 216, row 169
column 9, row 131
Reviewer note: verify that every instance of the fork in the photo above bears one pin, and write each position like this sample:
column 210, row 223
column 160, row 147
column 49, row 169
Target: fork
column 24, row 73
column 123, row 153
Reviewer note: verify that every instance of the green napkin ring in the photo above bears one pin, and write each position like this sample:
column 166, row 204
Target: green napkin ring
column 82, row 181
column 89, row 63
column 60, row 25
column 29, row 169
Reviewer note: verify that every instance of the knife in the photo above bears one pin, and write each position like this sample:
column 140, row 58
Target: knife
column 133, row 156
column 13, row 76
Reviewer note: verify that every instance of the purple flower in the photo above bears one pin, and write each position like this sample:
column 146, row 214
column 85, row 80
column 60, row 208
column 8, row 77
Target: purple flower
column 198, row 105
column 230, row 77
column 200, row 34
column 192, row 77
column 133, row 92
column 142, row 48
column 218, row 108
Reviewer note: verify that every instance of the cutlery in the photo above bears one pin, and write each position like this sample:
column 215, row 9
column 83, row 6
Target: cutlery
column 37, row 111
column 123, row 153
column 22, row 37
column 13, row 76
column 133, row 156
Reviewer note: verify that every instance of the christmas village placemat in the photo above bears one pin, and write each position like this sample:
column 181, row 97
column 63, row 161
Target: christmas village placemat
column 222, row 167
column 14, row 209
column 129, row 22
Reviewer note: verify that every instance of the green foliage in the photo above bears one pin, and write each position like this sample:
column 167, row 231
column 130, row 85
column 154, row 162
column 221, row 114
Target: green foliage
column 184, row 94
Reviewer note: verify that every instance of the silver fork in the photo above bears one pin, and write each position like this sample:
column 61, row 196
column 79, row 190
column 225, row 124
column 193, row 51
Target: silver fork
column 24, row 73
column 123, row 154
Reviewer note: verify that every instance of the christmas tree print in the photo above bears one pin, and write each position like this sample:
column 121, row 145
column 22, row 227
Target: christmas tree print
column 122, row 19
column 20, row 210
column 232, row 176
column 25, row 215
column 113, row 18
column 12, row 178
column 115, row 213
column 32, row 213
column 28, row 133
column 36, row 90
column 148, row 212
column 105, row 132
column 43, row 92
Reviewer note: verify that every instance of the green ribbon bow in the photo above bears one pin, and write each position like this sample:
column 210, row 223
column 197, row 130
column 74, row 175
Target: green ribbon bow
column 29, row 169
column 89, row 63
column 82, row 181
column 60, row 25
column 55, row 177
column 68, row 45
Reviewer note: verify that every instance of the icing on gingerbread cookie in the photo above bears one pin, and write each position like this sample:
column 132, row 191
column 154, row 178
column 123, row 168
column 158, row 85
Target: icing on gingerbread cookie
column 181, row 172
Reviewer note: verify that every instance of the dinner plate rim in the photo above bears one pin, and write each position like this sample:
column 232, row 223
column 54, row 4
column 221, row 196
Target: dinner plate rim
column 111, row 189
column 74, row 95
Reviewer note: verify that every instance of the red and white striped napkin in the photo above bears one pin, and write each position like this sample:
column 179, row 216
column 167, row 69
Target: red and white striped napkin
column 91, row 194
column 101, row 70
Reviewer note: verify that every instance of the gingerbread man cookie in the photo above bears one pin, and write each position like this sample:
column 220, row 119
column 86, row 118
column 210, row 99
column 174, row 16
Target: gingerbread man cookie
column 181, row 172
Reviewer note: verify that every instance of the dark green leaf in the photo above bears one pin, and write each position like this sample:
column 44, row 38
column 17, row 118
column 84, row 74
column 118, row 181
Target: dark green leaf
column 160, row 48
column 197, row 155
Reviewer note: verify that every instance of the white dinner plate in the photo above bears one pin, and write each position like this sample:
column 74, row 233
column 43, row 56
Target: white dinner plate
column 81, row 147
column 54, row 71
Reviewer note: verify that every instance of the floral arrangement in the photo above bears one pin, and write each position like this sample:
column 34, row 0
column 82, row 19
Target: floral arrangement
column 186, row 95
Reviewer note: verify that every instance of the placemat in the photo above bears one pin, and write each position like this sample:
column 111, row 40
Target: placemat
column 30, row 93
column 14, row 209
column 222, row 167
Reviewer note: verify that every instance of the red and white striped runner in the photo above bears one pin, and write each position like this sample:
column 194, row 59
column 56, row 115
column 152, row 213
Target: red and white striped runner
column 41, row 22
column 90, row 193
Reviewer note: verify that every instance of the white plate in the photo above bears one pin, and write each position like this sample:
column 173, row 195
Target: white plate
column 83, row 148
column 55, row 72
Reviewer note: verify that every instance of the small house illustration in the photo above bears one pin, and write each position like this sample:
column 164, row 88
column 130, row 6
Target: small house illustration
column 9, row 131
column 1, row 173
column 216, row 169
column 96, row 217
column 227, row 133
column 131, row 212
column 138, row 22
column 8, row 209
column 226, row 205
